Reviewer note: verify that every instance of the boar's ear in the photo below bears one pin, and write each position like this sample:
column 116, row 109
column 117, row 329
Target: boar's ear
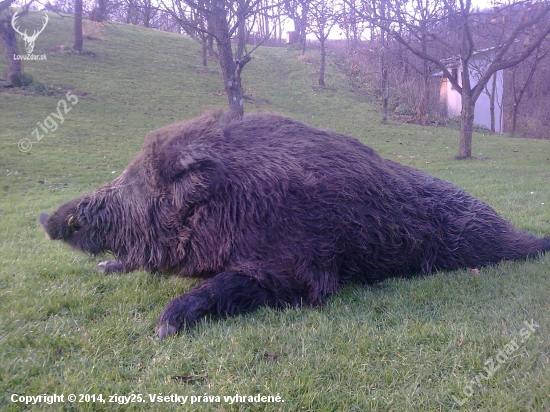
column 193, row 173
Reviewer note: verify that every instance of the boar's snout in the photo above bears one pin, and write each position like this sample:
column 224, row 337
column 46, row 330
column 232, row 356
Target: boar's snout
column 69, row 225
column 58, row 226
column 43, row 219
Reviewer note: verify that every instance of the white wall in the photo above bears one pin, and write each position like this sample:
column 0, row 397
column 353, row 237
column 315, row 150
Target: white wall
column 482, row 115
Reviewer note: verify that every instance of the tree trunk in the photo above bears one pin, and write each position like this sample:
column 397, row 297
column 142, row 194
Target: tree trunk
column 514, row 119
column 102, row 6
column 515, row 106
column 323, row 60
column 241, row 33
column 384, row 85
column 384, row 70
column 468, row 107
column 519, row 95
column 9, row 41
column 210, row 42
column 492, row 95
column 303, row 27
column 466, row 127
column 204, row 54
column 267, row 32
column 385, row 95
column 231, row 70
column 297, row 30
column 146, row 18
column 424, row 101
column 232, row 79
column 78, row 39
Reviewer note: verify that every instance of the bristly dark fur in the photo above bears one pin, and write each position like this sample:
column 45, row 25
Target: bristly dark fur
column 274, row 212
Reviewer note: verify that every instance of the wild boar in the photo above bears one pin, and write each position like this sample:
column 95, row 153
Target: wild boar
column 270, row 211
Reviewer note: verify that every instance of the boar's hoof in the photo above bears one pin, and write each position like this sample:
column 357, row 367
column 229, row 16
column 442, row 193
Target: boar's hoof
column 111, row 266
column 165, row 330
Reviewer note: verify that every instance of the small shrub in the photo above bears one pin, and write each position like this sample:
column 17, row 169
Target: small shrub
column 38, row 88
column 308, row 58
column 15, row 80
column 42, row 89
column 92, row 30
column 26, row 79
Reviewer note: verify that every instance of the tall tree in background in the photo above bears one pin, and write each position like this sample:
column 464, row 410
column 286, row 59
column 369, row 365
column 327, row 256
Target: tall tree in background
column 298, row 11
column 322, row 18
column 350, row 24
column 78, row 38
column 194, row 22
column 521, row 83
column 228, row 22
column 455, row 32
column 99, row 12
column 9, row 43
column 380, row 39
column 141, row 12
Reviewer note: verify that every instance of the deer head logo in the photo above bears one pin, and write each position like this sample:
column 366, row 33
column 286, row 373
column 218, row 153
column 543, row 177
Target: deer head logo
column 29, row 40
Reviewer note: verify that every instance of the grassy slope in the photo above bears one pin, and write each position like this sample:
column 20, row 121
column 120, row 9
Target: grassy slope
column 65, row 328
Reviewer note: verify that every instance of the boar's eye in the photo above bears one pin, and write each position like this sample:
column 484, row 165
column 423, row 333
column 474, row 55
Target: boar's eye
column 72, row 224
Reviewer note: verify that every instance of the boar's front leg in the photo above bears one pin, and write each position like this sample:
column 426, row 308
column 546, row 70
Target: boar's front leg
column 111, row 266
column 227, row 294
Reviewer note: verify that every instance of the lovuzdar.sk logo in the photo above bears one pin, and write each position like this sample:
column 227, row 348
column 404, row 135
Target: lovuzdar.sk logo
column 29, row 39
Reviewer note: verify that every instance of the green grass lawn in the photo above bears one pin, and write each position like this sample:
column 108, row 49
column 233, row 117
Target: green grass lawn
column 451, row 341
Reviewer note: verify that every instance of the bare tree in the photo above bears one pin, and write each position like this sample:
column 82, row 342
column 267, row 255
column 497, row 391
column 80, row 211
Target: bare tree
column 195, row 23
column 407, row 24
column 100, row 11
column 298, row 11
column 380, row 42
column 519, row 86
column 9, row 43
column 141, row 12
column 491, row 91
column 349, row 24
column 78, row 38
column 322, row 18
column 224, row 21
